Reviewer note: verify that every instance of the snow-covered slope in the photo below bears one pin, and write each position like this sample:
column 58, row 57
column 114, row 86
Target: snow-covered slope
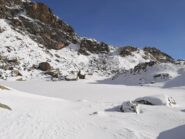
column 160, row 74
column 19, row 46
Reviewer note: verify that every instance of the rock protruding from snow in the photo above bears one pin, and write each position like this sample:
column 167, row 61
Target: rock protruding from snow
column 158, row 55
column 143, row 66
column 162, row 76
column 44, row 66
column 156, row 100
column 81, row 75
column 129, row 106
column 127, row 51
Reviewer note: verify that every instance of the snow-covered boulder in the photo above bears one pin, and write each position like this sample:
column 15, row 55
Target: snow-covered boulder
column 156, row 100
column 129, row 106
column 162, row 76
column 12, row 59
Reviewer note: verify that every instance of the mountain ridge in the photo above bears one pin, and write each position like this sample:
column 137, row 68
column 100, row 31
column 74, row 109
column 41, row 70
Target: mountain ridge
column 32, row 34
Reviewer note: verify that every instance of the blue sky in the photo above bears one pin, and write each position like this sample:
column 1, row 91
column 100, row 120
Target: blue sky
column 155, row 23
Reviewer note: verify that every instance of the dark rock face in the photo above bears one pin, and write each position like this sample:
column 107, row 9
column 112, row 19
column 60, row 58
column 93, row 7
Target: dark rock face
column 158, row 55
column 126, row 51
column 45, row 28
column 90, row 46
column 44, row 66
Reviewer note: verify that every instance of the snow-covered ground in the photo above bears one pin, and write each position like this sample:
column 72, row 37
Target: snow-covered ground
column 87, row 109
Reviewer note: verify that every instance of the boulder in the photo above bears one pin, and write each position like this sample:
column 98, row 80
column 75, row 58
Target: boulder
column 156, row 100
column 44, row 66
column 60, row 45
column 81, row 75
column 129, row 106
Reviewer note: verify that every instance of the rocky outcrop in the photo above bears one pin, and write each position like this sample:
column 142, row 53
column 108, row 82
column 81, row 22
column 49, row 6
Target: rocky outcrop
column 158, row 55
column 143, row 66
column 41, row 12
column 162, row 76
column 43, row 26
column 91, row 46
column 127, row 51
column 51, row 31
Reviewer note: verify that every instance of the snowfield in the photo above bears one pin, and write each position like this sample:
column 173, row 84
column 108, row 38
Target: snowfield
column 86, row 109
